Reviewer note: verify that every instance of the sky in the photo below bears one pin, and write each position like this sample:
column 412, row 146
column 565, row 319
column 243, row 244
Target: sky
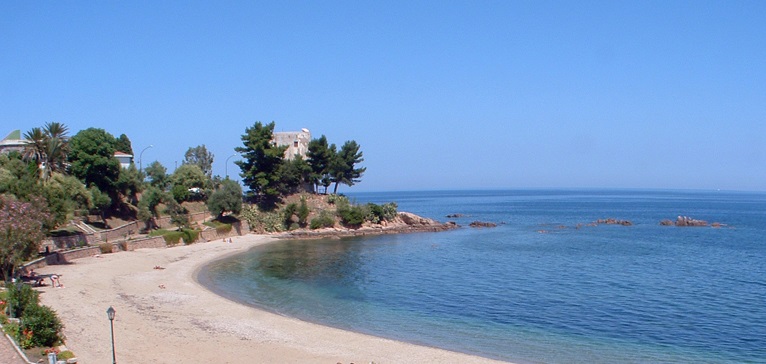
column 439, row 94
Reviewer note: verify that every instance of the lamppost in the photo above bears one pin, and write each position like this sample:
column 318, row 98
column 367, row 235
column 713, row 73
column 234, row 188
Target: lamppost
column 141, row 158
column 226, row 166
column 110, row 313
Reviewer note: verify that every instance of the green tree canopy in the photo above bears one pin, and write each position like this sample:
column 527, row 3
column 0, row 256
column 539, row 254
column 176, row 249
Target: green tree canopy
column 189, row 176
column 158, row 175
column 343, row 168
column 48, row 146
column 320, row 156
column 200, row 156
column 130, row 182
column 123, row 145
column 261, row 164
column 226, row 198
column 92, row 160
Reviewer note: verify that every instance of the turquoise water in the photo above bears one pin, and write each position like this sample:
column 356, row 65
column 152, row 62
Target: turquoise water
column 536, row 288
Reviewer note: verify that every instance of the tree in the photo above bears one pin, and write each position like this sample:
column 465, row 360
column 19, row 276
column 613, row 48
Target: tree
column 226, row 198
column 21, row 231
column 100, row 202
column 343, row 166
column 92, row 160
column 49, row 147
column 294, row 175
column 123, row 144
column 129, row 182
column 200, row 156
column 187, row 177
column 158, row 176
column 319, row 157
column 262, row 160
column 65, row 195
column 147, row 206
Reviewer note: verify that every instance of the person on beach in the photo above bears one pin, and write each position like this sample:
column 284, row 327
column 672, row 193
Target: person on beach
column 56, row 281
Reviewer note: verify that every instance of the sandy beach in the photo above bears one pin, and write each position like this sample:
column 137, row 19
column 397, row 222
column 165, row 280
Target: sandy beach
column 165, row 316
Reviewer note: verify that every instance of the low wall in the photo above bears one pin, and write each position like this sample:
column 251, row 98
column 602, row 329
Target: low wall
column 68, row 242
column 120, row 232
column 153, row 242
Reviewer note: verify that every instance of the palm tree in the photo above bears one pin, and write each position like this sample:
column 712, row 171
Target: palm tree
column 49, row 147
column 57, row 147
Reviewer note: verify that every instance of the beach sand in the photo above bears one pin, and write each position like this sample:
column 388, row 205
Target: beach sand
column 165, row 316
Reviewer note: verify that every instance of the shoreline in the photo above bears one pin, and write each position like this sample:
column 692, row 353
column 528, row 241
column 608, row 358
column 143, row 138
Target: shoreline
column 167, row 315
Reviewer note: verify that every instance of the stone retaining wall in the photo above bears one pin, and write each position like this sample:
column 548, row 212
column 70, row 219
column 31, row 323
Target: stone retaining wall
column 153, row 242
column 120, row 232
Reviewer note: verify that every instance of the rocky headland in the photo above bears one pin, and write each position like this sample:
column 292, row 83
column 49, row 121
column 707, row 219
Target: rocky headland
column 404, row 222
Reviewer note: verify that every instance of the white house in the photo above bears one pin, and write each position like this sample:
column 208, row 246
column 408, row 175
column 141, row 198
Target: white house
column 125, row 159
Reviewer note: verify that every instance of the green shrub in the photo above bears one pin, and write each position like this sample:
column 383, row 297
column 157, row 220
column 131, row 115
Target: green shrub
column 20, row 298
column 223, row 228
column 180, row 193
column 289, row 211
column 190, row 236
column 324, row 220
column 172, row 237
column 303, row 212
column 389, row 211
column 337, row 199
column 106, row 248
column 263, row 221
column 352, row 216
column 44, row 325
column 65, row 355
column 12, row 329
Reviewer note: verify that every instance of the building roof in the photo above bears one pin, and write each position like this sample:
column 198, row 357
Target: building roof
column 14, row 135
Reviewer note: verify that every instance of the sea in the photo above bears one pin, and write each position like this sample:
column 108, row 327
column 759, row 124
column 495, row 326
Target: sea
column 545, row 285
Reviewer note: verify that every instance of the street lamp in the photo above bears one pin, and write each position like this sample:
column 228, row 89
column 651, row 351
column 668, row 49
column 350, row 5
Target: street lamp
column 141, row 158
column 226, row 165
column 110, row 313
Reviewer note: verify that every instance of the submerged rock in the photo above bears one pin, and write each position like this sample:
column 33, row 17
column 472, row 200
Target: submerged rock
column 482, row 224
column 688, row 221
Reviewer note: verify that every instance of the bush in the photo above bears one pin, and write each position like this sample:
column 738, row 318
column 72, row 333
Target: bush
column 44, row 326
column 263, row 221
column 303, row 212
column 106, row 248
column 190, row 236
column 65, row 355
column 352, row 216
column 389, row 211
column 172, row 237
column 289, row 211
column 337, row 199
column 20, row 298
column 322, row 221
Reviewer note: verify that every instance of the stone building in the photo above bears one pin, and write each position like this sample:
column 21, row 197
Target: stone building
column 297, row 142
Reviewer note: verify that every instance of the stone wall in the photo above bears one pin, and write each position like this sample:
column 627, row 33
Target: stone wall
column 153, row 242
column 120, row 232
column 68, row 242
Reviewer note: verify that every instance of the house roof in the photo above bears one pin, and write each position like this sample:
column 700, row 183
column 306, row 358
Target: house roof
column 14, row 135
column 121, row 154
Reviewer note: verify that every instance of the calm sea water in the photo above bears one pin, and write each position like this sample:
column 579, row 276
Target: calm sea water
column 536, row 288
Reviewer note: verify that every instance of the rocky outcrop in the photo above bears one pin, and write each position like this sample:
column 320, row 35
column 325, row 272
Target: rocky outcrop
column 688, row 221
column 404, row 222
column 478, row 224
column 611, row 221
column 455, row 216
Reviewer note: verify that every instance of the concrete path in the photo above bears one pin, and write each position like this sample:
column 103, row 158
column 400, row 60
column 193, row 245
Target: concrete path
column 8, row 354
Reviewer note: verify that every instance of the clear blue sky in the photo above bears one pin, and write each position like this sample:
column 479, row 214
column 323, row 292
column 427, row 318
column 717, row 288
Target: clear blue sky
column 439, row 94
